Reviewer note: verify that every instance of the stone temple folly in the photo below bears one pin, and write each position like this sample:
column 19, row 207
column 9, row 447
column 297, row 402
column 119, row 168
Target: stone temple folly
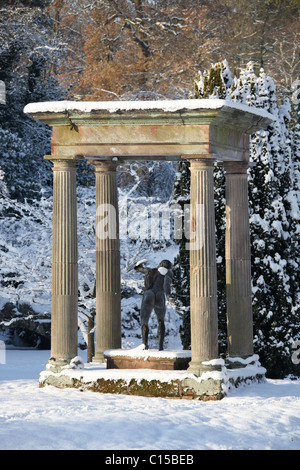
column 106, row 134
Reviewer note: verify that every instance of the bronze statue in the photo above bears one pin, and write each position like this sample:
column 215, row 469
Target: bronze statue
column 157, row 286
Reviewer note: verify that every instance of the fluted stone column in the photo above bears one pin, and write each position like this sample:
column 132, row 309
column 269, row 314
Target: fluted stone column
column 64, row 321
column 203, row 273
column 238, row 262
column 108, row 291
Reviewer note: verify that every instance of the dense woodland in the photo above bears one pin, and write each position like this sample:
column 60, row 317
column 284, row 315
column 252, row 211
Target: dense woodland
column 117, row 50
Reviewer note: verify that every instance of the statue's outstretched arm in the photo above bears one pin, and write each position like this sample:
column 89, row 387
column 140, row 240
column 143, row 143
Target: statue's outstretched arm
column 142, row 269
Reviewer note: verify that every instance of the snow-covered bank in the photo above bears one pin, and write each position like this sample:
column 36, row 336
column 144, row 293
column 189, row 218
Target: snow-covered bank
column 259, row 416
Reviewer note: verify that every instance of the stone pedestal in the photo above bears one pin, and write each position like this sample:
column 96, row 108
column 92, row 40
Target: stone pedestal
column 203, row 273
column 147, row 359
column 108, row 290
column 64, row 264
column 238, row 262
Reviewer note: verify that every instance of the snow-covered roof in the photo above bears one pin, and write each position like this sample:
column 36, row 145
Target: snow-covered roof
column 162, row 105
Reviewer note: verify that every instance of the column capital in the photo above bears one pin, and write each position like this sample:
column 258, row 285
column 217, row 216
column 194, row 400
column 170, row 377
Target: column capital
column 198, row 161
column 104, row 166
column 64, row 165
column 62, row 162
column 236, row 167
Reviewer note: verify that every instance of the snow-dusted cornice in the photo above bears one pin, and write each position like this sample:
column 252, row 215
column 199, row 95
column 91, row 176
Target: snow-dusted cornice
column 167, row 106
column 166, row 130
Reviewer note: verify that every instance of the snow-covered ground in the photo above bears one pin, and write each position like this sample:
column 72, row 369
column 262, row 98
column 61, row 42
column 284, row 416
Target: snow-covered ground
column 262, row 416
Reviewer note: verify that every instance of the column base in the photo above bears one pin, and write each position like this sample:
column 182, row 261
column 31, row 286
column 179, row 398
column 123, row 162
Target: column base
column 58, row 364
column 200, row 367
column 99, row 357
column 238, row 362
